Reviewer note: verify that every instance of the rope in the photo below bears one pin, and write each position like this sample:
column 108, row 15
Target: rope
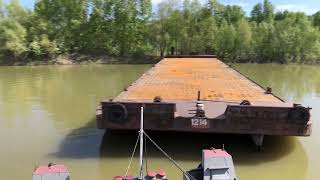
column 134, row 150
column 188, row 175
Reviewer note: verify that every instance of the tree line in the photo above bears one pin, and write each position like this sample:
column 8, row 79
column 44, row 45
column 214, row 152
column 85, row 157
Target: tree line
column 133, row 28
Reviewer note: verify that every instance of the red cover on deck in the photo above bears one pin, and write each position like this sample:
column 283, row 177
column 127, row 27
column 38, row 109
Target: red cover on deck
column 215, row 153
column 57, row 168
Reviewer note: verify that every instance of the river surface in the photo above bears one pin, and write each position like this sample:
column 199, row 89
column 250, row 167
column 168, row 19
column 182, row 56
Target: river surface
column 47, row 114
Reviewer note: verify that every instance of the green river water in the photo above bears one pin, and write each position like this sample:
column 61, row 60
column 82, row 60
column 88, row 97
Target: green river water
column 47, row 114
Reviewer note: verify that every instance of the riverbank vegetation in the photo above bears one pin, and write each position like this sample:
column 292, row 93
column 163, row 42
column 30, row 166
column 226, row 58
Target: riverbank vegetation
column 130, row 28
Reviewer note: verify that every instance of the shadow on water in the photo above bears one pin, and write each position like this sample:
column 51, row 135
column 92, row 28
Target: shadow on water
column 188, row 146
column 81, row 143
column 89, row 142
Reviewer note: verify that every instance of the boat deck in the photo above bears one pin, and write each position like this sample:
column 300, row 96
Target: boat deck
column 182, row 78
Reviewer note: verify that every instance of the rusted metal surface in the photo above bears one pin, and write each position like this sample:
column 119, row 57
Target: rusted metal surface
column 169, row 92
column 182, row 78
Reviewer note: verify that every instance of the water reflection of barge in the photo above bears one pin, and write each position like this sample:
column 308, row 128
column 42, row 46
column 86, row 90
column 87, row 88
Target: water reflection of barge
column 203, row 95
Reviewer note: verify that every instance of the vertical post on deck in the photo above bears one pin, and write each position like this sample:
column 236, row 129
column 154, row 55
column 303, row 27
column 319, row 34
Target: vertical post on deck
column 172, row 50
column 141, row 144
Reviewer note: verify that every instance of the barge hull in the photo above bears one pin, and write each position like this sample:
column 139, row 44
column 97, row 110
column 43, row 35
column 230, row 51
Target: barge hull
column 174, row 89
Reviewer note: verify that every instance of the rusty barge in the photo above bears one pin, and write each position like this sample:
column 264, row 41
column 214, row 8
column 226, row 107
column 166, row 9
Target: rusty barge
column 202, row 94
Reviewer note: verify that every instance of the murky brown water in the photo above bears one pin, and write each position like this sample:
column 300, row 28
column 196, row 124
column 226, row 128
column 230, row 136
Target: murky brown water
column 47, row 115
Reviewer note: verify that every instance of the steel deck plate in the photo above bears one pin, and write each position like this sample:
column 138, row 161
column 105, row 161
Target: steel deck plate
column 182, row 78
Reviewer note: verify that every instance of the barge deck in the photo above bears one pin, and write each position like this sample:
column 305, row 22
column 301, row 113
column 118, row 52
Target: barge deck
column 202, row 94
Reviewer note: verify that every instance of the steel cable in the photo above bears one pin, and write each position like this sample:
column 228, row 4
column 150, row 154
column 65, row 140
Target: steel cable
column 134, row 150
column 188, row 175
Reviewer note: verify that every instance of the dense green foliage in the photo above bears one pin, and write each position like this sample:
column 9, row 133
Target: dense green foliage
column 131, row 27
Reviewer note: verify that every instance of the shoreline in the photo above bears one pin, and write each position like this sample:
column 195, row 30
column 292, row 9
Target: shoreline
column 83, row 59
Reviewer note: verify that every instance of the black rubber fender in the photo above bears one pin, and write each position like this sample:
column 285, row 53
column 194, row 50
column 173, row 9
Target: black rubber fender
column 300, row 113
column 117, row 113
